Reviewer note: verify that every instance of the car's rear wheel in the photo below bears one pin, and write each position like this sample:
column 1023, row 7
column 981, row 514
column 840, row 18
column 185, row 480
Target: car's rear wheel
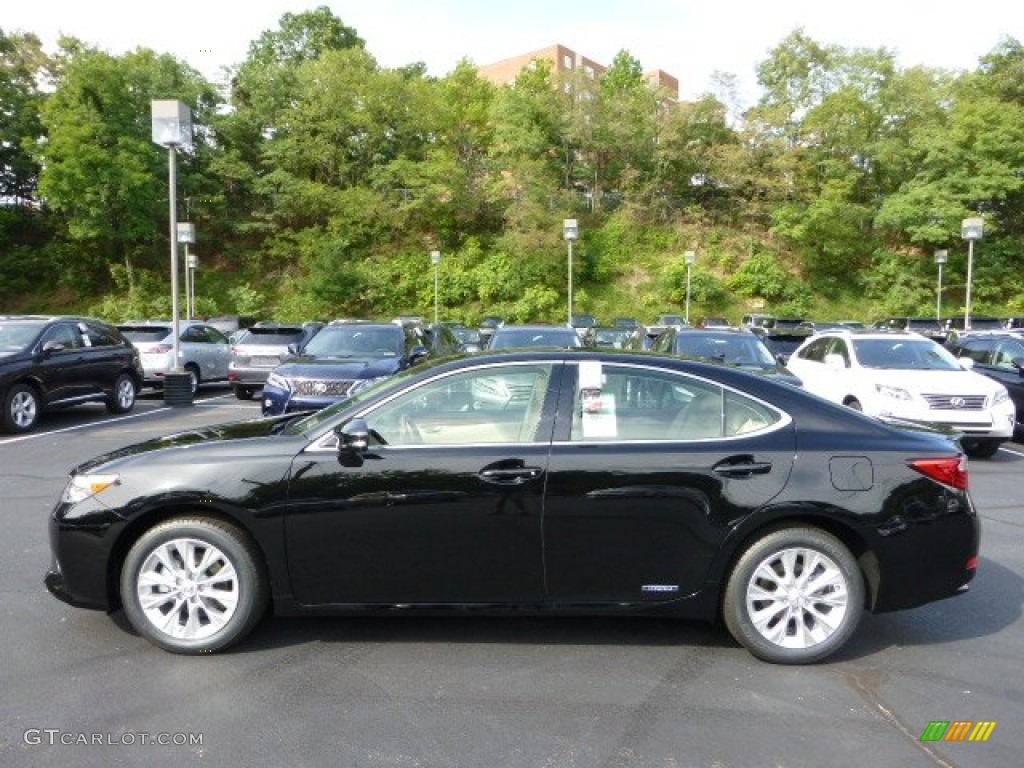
column 21, row 408
column 123, row 398
column 794, row 596
column 193, row 372
column 244, row 393
column 193, row 585
column 980, row 448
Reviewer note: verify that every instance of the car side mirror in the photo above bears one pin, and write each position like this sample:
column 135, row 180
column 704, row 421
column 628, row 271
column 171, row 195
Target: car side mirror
column 418, row 355
column 293, row 348
column 967, row 363
column 1018, row 363
column 353, row 442
column 52, row 346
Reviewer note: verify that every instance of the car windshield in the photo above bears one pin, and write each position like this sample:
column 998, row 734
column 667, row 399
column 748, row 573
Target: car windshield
column 14, row 337
column 467, row 335
column 507, row 338
column 737, row 350
column 670, row 320
column 904, row 354
column 145, row 332
column 356, row 341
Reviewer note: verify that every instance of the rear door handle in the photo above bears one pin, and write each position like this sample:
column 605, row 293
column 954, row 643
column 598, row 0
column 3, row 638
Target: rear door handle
column 746, row 468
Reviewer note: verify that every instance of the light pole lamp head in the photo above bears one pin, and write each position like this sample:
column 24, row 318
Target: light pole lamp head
column 570, row 230
column 691, row 257
column 972, row 229
column 435, row 257
column 941, row 256
column 172, row 123
column 186, row 232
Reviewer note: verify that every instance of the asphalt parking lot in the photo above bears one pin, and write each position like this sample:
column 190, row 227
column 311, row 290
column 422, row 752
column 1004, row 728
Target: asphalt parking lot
column 81, row 690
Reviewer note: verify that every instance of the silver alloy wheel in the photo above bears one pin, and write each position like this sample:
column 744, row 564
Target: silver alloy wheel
column 24, row 409
column 797, row 598
column 188, row 589
column 125, row 393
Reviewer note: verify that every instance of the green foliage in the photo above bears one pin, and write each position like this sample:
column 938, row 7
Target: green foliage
column 323, row 187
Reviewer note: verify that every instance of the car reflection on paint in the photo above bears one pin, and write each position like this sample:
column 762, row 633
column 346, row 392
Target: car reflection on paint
column 540, row 482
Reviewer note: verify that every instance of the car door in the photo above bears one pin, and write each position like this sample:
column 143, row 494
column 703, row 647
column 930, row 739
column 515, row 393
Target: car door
column 446, row 506
column 62, row 372
column 104, row 355
column 649, row 470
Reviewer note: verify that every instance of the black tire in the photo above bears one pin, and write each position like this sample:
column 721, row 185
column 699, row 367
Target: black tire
column 979, row 448
column 22, row 408
column 244, row 393
column 235, row 602
column 796, row 626
column 122, row 400
column 193, row 371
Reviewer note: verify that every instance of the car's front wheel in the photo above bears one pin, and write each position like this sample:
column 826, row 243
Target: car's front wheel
column 21, row 408
column 794, row 596
column 123, row 398
column 193, row 585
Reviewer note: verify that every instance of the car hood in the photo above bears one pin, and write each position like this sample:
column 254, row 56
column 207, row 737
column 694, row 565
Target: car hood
column 218, row 438
column 959, row 382
column 339, row 368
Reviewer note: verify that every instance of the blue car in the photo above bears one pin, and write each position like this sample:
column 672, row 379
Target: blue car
column 344, row 358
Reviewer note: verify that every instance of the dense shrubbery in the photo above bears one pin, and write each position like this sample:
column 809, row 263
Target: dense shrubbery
column 324, row 186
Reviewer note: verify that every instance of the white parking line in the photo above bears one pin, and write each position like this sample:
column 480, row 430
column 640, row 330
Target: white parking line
column 1010, row 450
column 159, row 409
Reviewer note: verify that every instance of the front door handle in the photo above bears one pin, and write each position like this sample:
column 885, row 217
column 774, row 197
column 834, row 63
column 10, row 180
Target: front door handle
column 514, row 476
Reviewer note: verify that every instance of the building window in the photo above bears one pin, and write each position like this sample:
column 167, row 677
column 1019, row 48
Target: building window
column 567, row 61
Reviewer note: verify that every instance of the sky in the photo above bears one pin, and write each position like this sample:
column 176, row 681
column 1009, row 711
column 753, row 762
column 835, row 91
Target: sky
column 690, row 39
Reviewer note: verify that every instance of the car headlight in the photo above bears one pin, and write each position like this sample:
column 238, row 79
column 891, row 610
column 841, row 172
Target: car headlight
column 897, row 393
column 1000, row 397
column 279, row 381
column 360, row 384
column 81, row 487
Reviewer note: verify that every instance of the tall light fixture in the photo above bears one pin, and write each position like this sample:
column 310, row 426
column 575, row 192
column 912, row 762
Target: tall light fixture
column 435, row 259
column 691, row 259
column 970, row 230
column 571, row 233
column 940, row 258
column 172, row 128
column 187, row 236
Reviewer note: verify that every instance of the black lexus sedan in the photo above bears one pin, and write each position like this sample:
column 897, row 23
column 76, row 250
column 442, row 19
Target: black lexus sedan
column 533, row 482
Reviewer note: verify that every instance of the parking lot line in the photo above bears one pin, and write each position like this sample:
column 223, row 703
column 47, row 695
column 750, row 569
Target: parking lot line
column 159, row 409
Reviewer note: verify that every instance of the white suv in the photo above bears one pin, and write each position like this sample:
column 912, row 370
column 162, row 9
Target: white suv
column 906, row 376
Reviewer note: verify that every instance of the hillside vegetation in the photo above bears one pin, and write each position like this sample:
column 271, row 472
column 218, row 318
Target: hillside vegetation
column 319, row 183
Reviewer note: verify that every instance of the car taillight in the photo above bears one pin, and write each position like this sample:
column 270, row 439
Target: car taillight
column 161, row 348
column 948, row 471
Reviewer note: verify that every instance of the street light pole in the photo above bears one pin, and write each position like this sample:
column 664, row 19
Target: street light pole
column 940, row 259
column 172, row 128
column 970, row 230
column 691, row 258
column 187, row 235
column 435, row 259
column 571, row 233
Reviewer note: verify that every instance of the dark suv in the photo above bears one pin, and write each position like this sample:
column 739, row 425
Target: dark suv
column 345, row 357
column 53, row 362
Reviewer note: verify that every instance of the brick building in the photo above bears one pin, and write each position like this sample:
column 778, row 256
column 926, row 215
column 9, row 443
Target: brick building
column 568, row 66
